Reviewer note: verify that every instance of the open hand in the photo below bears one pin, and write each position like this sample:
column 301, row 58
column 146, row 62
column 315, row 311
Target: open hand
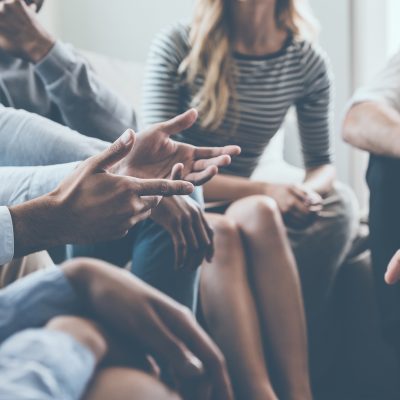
column 191, row 235
column 155, row 153
column 90, row 205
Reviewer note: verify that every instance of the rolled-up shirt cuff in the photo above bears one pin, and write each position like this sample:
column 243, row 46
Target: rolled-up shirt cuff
column 56, row 63
column 6, row 236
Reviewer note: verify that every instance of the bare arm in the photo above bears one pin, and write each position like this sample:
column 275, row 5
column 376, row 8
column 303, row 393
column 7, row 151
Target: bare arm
column 320, row 179
column 374, row 127
column 91, row 204
column 230, row 188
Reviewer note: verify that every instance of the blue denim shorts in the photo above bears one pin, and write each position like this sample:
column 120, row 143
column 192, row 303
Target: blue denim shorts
column 41, row 364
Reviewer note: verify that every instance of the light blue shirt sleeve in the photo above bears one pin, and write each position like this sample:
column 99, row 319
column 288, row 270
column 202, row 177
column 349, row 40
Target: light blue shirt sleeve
column 6, row 236
column 32, row 301
column 27, row 183
column 28, row 139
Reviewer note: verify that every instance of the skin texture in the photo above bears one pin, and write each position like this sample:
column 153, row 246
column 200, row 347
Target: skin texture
column 392, row 275
column 137, row 313
column 104, row 197
column 362, row 123
column 155, row 154
column 90, row 205
column 191, row 234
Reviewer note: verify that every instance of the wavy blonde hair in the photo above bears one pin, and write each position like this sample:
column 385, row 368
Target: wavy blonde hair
column 210, row 55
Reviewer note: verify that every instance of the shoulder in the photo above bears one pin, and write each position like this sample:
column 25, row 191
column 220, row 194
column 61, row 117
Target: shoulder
column 314, row 63
column 312, row 57
column 172, row 43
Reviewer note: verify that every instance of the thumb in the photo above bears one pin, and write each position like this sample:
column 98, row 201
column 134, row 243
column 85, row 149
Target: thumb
column 393, row 271
column 180, row 123
column 116, row 152
column 177, row 172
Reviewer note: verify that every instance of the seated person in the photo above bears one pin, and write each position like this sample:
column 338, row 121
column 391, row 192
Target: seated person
column 162, row 156
column 372, row 124
column 87, row 330
column 93, row 203
column 243, row 65
column 44, row 76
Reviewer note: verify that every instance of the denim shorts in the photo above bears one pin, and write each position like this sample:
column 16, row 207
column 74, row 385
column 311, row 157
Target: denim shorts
column 41, row 364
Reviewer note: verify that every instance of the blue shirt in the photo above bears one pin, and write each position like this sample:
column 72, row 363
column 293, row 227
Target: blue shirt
column 31, row 302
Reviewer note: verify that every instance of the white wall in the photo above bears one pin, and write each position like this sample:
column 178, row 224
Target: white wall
column 119, row 28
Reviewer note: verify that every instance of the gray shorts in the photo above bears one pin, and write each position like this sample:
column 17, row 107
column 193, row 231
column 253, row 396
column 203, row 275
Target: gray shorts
column 41, row 364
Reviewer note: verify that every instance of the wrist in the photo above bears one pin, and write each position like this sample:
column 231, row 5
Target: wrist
column 35, row 226
column 263, row 188
column 37, row 49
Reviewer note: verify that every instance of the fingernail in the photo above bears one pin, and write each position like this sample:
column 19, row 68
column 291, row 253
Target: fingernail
column 189, row 186
column 126, row 138
column 194, row 366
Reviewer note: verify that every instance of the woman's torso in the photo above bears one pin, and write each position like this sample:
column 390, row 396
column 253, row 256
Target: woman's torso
column 266, row 87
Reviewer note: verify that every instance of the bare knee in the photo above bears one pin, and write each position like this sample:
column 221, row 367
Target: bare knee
column 225, row 229
column 256, row 211
column 83, row 330
column 125, row 383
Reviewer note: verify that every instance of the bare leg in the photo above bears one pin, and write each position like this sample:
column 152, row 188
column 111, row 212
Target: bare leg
column 277, row 290
column 231, row 314
column 128, row 384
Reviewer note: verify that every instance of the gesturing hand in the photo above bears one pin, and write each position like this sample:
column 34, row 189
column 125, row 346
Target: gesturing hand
column 155, row 153
column 160, row 326
column 21, row 33
column 105, row 205
column 191, row 235
column 92, row 204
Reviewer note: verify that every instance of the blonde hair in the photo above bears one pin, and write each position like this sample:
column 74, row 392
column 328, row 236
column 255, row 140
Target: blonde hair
column 210, row 55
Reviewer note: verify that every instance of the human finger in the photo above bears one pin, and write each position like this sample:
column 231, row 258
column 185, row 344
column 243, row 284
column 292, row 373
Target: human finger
column 180, row 122
column 210, row 152
column 199, row 178
column 163, row 187
column 393, row 271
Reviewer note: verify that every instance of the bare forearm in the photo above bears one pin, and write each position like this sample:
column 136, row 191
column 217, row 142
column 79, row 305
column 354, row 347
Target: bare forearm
column 36, row 226
column 320, row 179
column 229, row 188
column 373, row 127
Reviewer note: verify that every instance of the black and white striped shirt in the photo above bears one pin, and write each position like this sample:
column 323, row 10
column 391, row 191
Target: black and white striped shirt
column 266, row 87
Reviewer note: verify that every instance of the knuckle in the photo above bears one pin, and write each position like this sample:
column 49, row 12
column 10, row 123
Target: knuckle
column 186, row 313
column 163, row 188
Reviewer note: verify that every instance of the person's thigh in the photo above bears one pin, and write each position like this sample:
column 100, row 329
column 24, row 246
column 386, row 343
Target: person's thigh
column 320, row 251
column 150, row 248
column 153, row 261
column 21, row 267
column 125, row 383
column 44, row 364
column 116, row 252
column 321, row 248
column 384, row 221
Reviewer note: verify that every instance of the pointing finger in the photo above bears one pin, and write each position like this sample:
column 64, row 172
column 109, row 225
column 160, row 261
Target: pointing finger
column 180, row 122
column 164, row 187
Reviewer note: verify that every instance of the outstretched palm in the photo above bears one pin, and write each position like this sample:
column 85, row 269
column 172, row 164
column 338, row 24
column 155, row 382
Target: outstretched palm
column 155, row 154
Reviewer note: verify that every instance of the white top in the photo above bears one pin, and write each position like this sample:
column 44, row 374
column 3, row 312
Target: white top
column 384, row 88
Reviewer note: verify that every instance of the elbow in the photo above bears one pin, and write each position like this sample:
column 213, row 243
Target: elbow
column 349, row 129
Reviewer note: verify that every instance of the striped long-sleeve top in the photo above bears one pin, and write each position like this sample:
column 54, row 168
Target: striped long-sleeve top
column 265, row 88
